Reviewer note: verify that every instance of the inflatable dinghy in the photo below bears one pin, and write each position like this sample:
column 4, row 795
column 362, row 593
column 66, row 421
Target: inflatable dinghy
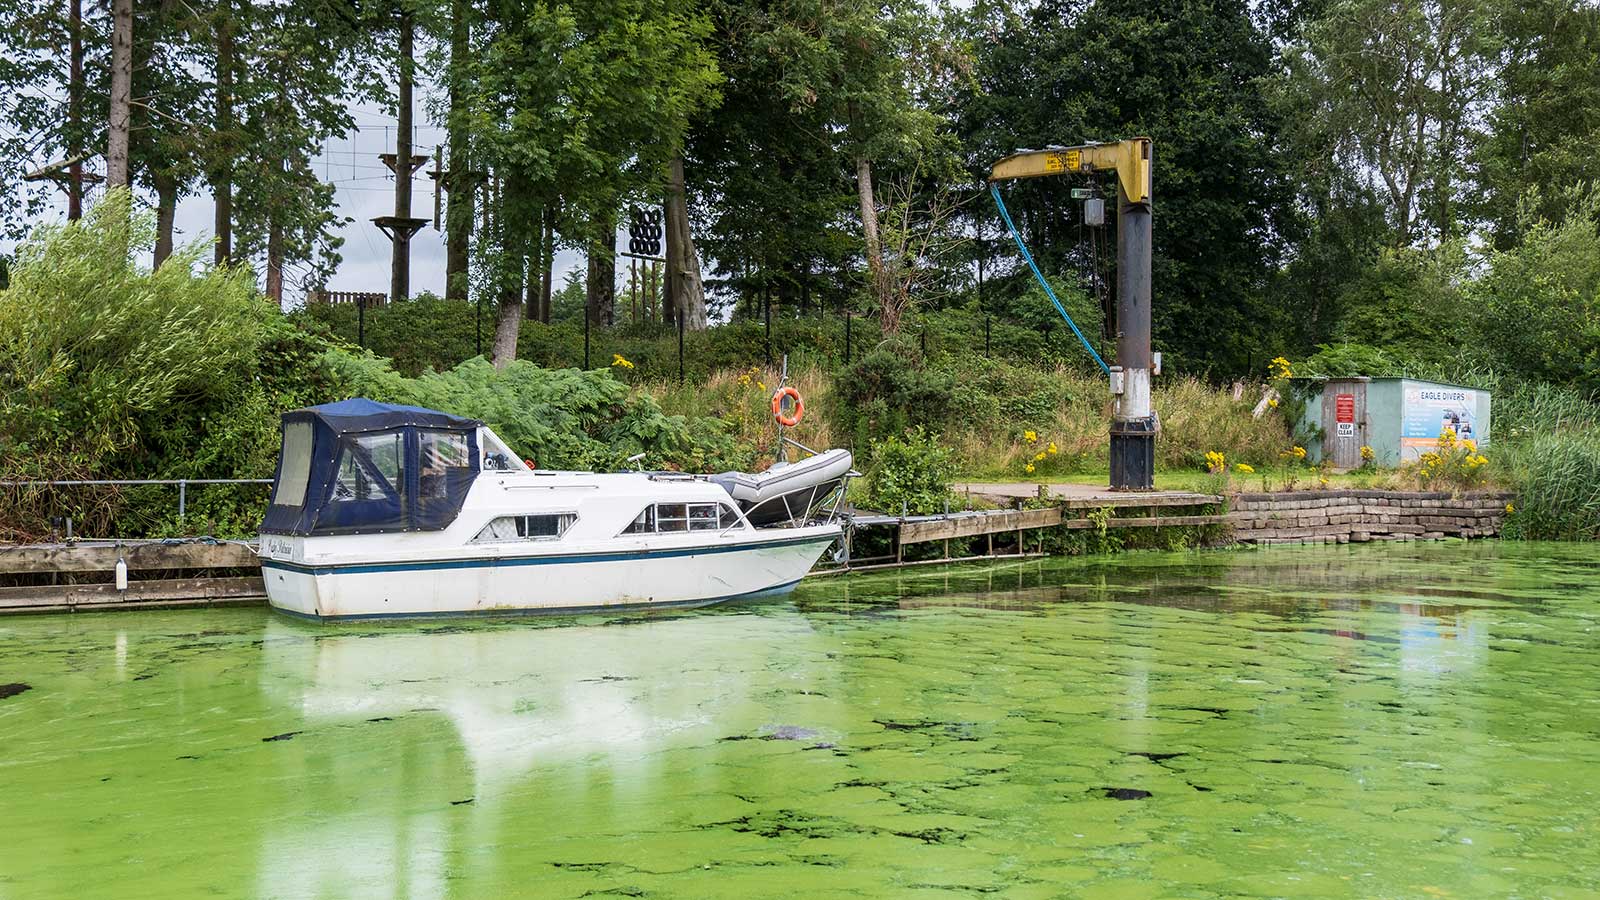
column 789, row 491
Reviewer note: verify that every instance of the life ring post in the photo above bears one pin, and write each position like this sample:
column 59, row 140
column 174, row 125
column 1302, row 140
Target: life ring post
column 790, row 419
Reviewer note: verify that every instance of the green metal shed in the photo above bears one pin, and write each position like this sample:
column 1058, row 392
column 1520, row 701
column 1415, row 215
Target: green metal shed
column 1399, row 418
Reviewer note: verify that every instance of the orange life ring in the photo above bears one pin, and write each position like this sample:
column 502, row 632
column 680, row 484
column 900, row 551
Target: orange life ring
column 793, row 419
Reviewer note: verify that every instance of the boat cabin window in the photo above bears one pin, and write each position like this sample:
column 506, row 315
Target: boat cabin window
column 533, row 527
column 441, row 451
column 667, row 518
column 371, row 467
column 294, row 472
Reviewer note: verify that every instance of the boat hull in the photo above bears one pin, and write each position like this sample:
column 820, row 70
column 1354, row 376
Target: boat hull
column 569, row 582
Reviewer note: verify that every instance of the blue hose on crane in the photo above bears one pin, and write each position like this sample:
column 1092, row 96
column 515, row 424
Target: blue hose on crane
column 1028, row 257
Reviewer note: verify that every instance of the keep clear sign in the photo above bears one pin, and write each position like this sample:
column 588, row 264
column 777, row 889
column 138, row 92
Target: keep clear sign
column 1344, row 410
column 1429, row 410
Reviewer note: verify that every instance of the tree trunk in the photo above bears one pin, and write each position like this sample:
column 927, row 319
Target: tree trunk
column 275, row 262
column 535, row 266
column 869, row 230
column 507, row 325
column 685, row 293
column 166, row 207
column 121, row 93
column 222, row 174
column 400, row 259
column 548, row 264
column 75, row 112
column 458, row 218
column 600, row 292
column 512, row 234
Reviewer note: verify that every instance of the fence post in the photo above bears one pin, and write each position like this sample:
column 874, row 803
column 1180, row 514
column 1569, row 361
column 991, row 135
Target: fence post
column 766, row 312
column 847, row 337
column 680, row 350
column 183, row 498
column 586, row 338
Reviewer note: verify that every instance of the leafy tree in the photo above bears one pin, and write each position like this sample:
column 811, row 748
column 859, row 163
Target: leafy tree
column 582, row 103
column 1399, row 87
column 1192, row 77
column 1539, row 301
column 1544, row 130
column 1409, row 303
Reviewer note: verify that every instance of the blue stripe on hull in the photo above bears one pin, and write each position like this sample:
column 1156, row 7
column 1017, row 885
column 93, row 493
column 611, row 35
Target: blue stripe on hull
column 546, row 610
column 616, row 556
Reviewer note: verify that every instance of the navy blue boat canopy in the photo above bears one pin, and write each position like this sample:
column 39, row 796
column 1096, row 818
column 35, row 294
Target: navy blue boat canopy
column 362, row 467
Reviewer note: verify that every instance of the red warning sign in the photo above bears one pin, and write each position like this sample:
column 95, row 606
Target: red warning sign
column 1344, row 408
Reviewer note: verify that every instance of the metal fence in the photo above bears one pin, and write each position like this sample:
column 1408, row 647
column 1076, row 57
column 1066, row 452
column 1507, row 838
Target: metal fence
column 182, row 484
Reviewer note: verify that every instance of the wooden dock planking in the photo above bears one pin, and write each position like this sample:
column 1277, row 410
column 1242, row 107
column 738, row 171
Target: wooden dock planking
column 70, row 565
column 977, row 524
column 104, row 595
column 101, row 556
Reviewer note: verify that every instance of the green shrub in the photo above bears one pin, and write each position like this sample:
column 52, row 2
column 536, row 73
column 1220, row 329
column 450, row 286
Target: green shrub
column 886, row 392
column 911, row 472
column 108, row 370
column 560, row 418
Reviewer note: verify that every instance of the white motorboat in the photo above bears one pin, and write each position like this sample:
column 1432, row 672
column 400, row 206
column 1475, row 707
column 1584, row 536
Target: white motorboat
column 380, row 510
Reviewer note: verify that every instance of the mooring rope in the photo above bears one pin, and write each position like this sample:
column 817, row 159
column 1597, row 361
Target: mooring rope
column 1028, row 257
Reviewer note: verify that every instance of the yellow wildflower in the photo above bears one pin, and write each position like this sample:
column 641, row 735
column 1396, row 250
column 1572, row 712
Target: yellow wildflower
column 761, row 385
column 1216, row 462
column 619, row 361
column 1323, row 481
column 1039, row 457
column 1281, row 368
column 1051, row 449
column 1273, row 402
column 1244, row 468
column 1028, row 468
column 1510, row 508
column 1368, row 454
column 1447, row 438
column 1299, row 452
column 1030, row 435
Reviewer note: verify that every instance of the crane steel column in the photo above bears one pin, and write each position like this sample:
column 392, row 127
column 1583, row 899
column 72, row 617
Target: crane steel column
column 1133, row 422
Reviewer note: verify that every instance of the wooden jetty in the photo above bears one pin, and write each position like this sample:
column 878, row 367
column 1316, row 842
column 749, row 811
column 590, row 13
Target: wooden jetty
column 81, row 575
column 1070, row 506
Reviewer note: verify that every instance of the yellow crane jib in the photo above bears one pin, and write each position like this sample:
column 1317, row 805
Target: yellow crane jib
column 1129, row 159
column 1134, row 424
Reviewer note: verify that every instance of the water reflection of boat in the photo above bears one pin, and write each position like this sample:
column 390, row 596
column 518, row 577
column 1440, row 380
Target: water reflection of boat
column 520, row 696
column 381, row 510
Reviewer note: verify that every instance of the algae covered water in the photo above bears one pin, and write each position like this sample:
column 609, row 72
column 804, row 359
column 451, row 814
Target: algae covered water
column 1400, row 721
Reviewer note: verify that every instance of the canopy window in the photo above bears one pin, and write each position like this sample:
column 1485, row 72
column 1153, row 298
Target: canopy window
column 358, row 467
column 295, row 466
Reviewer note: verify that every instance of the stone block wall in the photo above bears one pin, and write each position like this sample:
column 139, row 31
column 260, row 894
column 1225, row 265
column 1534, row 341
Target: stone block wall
column 1354, row 516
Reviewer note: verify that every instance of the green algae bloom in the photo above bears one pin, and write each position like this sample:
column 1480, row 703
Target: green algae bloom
column 1397, row 721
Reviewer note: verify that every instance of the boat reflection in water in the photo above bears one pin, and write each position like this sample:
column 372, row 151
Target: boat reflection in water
column 558, row 717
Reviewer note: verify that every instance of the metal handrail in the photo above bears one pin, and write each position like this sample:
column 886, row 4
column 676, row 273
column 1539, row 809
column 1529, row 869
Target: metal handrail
column 182, row 483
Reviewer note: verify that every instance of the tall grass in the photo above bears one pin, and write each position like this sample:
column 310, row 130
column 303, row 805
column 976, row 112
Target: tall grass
column 993, row 406
column 1557, row 477
column 742, row 400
